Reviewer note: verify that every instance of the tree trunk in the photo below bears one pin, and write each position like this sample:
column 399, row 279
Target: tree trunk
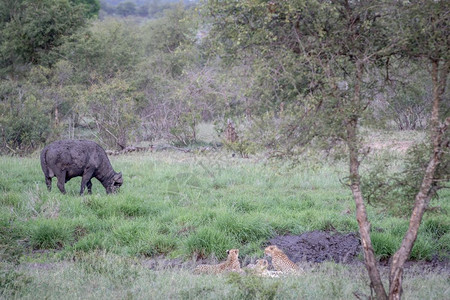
column 56, row 115
column 361, row 215
column 426, row 190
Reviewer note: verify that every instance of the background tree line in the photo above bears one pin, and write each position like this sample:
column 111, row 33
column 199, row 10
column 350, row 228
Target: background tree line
column 140, row 8
column 129, row 81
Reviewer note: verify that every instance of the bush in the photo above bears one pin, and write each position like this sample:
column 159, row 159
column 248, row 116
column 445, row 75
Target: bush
column 113, row 107
column 243, row 147
column 24, row 122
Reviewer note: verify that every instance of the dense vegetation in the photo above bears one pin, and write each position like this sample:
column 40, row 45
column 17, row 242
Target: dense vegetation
column 303, row 83
column 128, row 80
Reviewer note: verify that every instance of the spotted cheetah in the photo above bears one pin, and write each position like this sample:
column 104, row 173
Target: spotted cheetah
column 280, row 261
column 232, row 264
column 259, row 267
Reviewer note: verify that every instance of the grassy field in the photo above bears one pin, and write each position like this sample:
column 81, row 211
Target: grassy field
column 185, row 205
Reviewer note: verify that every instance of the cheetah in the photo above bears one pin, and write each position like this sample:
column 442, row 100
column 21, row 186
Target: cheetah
column 259, row 268
column 280, row 261
column 232, row 264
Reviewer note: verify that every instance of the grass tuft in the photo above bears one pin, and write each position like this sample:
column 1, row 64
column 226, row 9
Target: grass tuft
column 206, row 241
column 244, row 228
column 50, row 234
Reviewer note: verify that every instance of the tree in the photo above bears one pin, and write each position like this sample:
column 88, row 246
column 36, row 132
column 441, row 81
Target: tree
column 113, row 107
column 169, row 76
column 24, row 117
column 338, row 44
column 92, row 6
column 125, row 9
column 103, row 51
column 427, row 37
column 31, row 30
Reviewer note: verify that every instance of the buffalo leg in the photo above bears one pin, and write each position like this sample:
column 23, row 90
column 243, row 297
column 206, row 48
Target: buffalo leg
column 85, row 180
column 61, row 181
column 89, row 186
column 48, row 182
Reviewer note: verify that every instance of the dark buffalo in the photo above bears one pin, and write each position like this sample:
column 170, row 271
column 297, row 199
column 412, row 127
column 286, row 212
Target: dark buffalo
column 71, row 158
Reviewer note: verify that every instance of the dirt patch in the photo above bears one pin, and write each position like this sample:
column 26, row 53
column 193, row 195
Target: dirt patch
column 319, row 246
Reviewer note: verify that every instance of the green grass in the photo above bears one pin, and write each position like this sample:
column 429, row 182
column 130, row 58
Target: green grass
column 176, row 204
column 182, row 205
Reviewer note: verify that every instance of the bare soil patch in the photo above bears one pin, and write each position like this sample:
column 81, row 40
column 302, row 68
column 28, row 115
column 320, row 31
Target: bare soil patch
column 319, row 246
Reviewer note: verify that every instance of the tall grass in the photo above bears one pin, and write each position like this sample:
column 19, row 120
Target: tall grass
column 98, row 275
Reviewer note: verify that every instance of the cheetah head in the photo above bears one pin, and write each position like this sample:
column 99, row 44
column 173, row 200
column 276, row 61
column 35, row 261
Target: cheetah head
column 262, row 264
column 233, row 253
column 271, row 249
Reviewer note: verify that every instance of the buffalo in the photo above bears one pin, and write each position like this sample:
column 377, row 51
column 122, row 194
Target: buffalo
column 71, row 158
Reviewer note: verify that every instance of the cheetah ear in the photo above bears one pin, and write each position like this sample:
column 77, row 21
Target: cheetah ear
column 228, row 251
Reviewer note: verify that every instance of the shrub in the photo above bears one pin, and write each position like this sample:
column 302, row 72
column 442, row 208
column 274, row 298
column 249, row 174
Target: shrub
column 396, row 191
column 24, row 124
column 113, row 107
column 243, row 147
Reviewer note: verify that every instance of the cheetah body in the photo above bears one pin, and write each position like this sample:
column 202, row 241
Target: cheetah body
column 280, row 261
column 232, row 264
column 259, row 267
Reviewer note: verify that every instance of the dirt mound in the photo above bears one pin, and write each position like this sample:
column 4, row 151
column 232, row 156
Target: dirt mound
column 318, row 246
